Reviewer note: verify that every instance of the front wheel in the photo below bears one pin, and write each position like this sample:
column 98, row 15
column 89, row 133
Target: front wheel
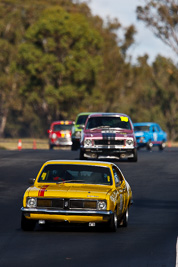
column 27, row 224
column 125, row 218
column 149, row 145
column 75, row 145
column 113, row 222
column 135, row 157
column 162, row 146
column 51, row 147
column 81, row 155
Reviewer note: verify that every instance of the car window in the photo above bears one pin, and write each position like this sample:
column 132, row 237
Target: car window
column 54, row 173
column 159, row 128
column 151, row 129
column 117, row 175
column 62, row 127
column 141, row 128
column 121, row 122
column 155, row 129
column 82, row 119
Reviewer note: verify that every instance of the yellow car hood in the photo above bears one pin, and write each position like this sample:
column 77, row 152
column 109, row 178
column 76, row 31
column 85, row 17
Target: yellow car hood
column 70, row 191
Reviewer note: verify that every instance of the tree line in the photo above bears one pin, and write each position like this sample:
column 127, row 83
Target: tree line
column 57, row 59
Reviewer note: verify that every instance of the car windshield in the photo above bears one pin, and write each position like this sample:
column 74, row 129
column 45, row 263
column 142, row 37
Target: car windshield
column 69, row 173
column 82, row 119
column 62, row 127
column 121, row 122
column 141, row 128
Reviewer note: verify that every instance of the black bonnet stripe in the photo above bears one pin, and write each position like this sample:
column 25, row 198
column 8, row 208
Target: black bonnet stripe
column 109, row 136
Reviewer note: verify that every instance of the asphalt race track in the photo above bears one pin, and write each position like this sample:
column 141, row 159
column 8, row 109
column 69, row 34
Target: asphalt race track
column 148, row 241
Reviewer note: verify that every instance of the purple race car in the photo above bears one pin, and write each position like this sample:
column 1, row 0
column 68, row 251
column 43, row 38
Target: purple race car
column 108, row 135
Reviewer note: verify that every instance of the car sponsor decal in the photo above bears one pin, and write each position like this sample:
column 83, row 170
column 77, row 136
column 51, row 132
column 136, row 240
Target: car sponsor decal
column 126, row 119
column 42, row 190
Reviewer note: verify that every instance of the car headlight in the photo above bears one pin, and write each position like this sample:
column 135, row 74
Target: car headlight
column 129, row 142
column 67, row 135
column 87, row 142
column 77, row 134
column 54, row 136
column 31, row 202
column 101, row 205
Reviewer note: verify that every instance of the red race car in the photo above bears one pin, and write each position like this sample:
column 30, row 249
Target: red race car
column 60, row 133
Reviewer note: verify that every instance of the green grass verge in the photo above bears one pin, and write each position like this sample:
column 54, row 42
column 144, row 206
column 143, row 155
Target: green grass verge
column 27, row 143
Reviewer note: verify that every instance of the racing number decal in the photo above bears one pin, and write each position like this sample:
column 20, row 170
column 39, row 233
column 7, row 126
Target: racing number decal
column 155, row 136
column 108, row 178
column 43, row 176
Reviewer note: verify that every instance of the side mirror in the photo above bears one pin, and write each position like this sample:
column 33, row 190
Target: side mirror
column 118, row 183
column 31, row 180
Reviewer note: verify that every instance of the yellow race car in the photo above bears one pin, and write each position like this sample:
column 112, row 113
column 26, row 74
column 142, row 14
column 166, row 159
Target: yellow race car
column 77, row 192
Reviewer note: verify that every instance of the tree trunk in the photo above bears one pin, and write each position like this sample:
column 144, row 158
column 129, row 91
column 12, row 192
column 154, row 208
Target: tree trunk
column 3, row 121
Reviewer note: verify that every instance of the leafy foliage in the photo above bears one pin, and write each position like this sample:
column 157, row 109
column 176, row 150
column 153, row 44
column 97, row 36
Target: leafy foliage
column 58, row 60
column 162, row 17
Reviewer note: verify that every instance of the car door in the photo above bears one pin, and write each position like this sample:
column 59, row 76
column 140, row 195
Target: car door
column 160, row 133
column 154, row 134
column 121, row 191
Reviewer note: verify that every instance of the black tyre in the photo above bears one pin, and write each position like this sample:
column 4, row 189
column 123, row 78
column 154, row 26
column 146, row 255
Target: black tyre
column 75, row 145
column 125, row 218
column 27, row 224
column 135, row 157
column 81, row 155
column 51, row 147
column 149, row 145
column 113, row 222
column 162, row 146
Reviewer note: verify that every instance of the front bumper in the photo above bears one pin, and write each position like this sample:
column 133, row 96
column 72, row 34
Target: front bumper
column 108, row 152
column 79, row 216
column 61, row 142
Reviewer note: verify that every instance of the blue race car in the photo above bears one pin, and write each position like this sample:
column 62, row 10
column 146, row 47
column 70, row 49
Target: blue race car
column 149, row 134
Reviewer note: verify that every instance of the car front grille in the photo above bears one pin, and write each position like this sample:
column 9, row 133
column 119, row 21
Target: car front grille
column 106, row 142
column 66, row 203
column 63, row 139
column 50, row 203
column 83, row 204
